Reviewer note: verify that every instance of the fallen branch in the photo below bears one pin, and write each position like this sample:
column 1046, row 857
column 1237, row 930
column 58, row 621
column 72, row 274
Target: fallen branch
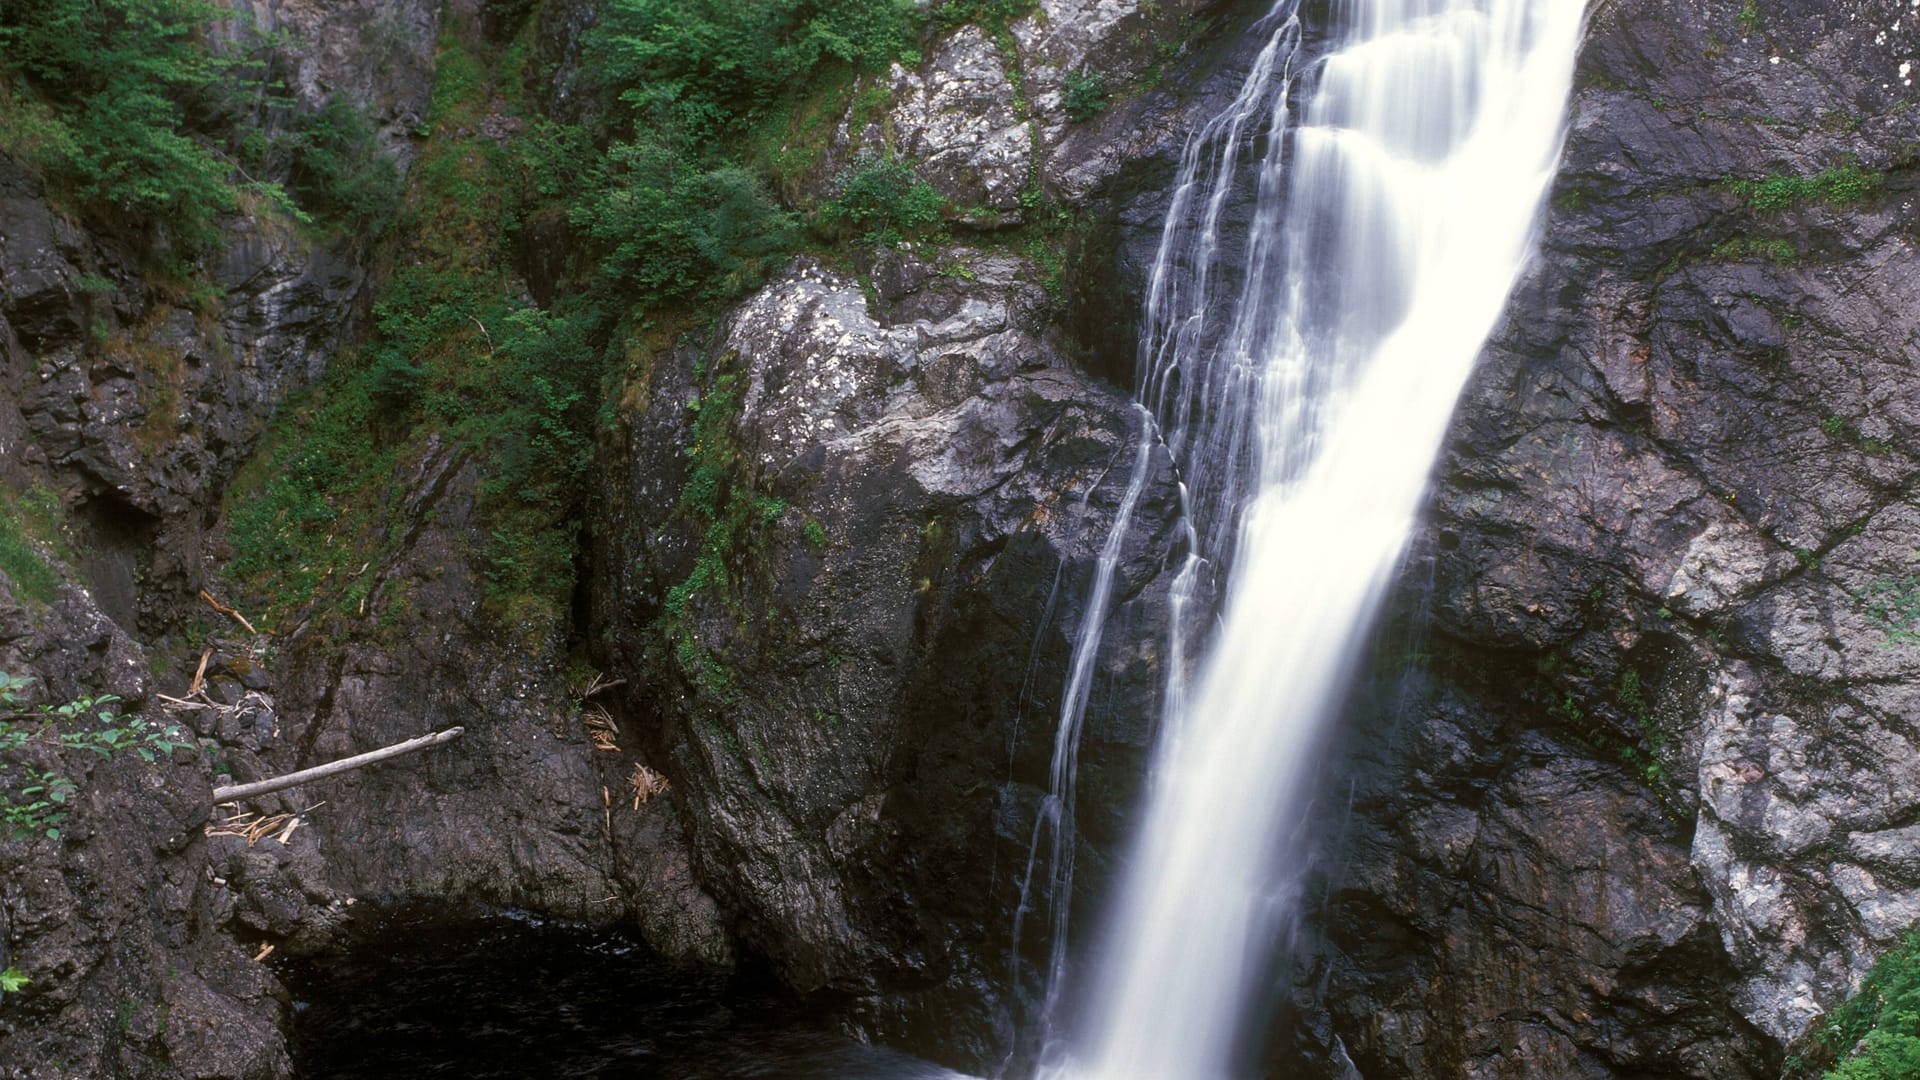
column 227, row 611
column 334, row 768
column 200, row 674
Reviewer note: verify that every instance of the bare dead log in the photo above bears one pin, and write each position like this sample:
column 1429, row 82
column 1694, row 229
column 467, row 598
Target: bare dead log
column 334, row 768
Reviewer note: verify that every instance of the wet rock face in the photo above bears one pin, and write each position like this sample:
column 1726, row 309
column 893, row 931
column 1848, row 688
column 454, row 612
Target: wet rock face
column 1053, row 109
column 858, row 719
column 1646, row 815
column 132, row 402
column 522, row 811
column 119, row 923
column 141, row 405
column 956, row 119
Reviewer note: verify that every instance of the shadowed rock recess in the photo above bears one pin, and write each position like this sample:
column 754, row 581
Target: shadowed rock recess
column 1632, row 789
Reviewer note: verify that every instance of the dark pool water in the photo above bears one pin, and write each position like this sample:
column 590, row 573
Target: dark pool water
column 508, row 996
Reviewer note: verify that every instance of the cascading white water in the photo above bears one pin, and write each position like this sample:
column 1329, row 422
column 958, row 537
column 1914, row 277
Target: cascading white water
column 1305, row 411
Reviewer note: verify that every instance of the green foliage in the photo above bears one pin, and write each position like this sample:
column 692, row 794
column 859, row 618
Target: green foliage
column 306, row 523
column 1652, row 753
column 1776, row 249
column 698, row 68
column 20, row 560
column 1894, row 606
column 988, row 13
column 551, row 158
column 126, row 100
column 1749, row 16
column 336, row 170
column 457, row 350
column 1875, row 1035
column 883, row 202
column 1841, row 185
column 673, row 203
column 1084, row 95
column 13, row 980
column 673, row 231
column 35, row 801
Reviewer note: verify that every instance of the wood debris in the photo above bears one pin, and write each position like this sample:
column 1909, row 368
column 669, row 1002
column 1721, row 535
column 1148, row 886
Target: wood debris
column 199, row 674
column 254, row 826
column 227, row 611
column 600, row 728
column 335, row 768
column 646, row 784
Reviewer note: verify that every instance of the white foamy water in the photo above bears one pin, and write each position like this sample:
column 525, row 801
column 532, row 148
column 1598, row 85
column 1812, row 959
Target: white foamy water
column 1304, row 397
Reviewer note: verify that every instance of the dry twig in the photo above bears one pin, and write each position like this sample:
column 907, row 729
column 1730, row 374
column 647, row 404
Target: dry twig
column 253, row 826
column 600, row 728
column 334, row 768
column 646, row 784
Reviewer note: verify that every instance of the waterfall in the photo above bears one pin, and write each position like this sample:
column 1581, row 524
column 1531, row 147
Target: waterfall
column 1303, row 398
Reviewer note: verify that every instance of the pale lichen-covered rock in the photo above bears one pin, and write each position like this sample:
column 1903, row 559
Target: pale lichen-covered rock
column 857, row 719
column 958, row 119
column 377, row 54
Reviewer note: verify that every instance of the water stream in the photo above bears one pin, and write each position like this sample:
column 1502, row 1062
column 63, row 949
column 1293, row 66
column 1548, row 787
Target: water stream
column 1303, row 396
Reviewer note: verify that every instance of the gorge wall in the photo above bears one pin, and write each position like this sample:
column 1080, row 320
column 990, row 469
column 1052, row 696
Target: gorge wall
column 1644, row 814
column 1630, row 789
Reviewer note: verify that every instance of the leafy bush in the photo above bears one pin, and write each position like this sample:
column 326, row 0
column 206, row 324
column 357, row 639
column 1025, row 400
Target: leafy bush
column 124, row 79
column 990, row 13
column 336, row 169
column 671, row 230
column 883, row 201
column 34, row 801
column 1875, row 1035
column 1084, row 95
column 696, row 67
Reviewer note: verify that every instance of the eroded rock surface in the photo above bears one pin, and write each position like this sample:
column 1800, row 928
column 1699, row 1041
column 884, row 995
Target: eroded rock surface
column 860, row 722
column 1644, row 818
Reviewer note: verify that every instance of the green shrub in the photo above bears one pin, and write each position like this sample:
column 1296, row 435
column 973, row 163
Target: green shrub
column 883, row 201
column 672, row 231
column 1875, row 1035
column 336, row 169
column 989, row 13
column 34, row 801
column 697, row 67
column 126, row 82
column 1084, row 95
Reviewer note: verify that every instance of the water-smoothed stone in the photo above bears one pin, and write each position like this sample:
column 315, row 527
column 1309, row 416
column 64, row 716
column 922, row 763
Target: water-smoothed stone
column 853, row 715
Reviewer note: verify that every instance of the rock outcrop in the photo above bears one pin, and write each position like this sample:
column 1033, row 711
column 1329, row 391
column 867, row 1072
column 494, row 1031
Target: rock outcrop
column 1645, row 817
column 860, row 724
